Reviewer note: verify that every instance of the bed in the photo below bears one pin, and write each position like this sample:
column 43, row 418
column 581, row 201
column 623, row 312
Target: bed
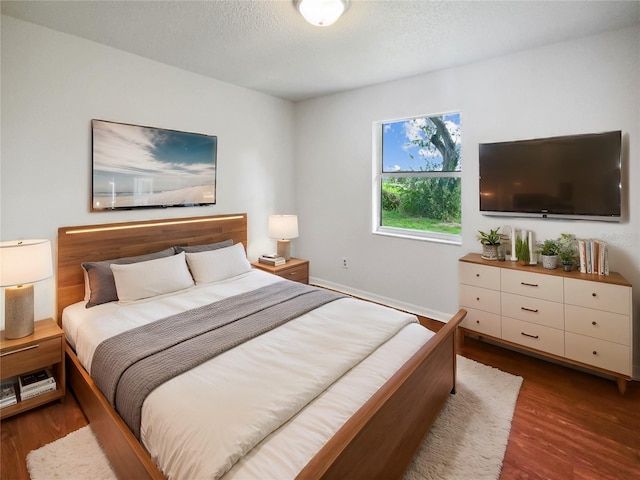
column 367, row 421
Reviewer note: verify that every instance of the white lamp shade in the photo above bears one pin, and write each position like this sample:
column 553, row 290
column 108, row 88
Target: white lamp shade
column 24, row 261
column 283, row 226
column 321, row 13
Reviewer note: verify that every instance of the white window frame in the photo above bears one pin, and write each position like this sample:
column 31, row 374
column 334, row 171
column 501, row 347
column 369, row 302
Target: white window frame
column 377, row 177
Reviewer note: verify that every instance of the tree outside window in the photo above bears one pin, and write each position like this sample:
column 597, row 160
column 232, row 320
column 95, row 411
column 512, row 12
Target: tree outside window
column 419, row 178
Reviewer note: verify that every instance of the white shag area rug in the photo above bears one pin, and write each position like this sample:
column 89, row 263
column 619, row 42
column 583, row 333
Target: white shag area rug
column 78, row 456
column 467, row 441
column 469, row 438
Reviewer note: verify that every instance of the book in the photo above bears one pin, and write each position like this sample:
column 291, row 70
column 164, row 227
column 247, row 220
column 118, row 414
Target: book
column 582, row 255
column 273, row 261
column 603, row 259
column 36, row 379
column 48, row 387
column 8, row 402
column 7, row 394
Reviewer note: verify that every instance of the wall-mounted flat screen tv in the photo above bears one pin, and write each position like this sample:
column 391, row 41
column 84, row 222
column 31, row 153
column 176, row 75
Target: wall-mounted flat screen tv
column 146, row 167
column 576, row 176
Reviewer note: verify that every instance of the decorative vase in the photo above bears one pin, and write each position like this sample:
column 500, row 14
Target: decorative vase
column 489, row 252
column 549, row 261
column 567, row 266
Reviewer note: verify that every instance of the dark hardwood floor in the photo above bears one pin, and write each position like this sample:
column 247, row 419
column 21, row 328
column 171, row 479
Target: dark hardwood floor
column 567, row 424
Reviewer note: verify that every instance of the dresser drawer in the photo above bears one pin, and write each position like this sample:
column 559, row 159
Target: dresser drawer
column 534, row 310
column 612, row 327
column 545, row 339
column 599, row 353
column 482, row 322
column 601, row 296
column 480, row 298
column 479, row 275
column 539, row 285
column 31, row 357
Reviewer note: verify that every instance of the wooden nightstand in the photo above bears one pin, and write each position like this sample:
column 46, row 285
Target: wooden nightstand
column 44, row 348
column 295, row 269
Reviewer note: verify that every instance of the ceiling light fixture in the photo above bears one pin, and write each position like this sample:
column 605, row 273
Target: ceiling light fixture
column 321, row 13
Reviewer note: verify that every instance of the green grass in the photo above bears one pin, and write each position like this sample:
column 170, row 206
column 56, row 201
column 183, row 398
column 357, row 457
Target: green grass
column 397, row 220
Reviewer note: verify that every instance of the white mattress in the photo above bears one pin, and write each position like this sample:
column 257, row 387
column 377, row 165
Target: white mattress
column 182, row 419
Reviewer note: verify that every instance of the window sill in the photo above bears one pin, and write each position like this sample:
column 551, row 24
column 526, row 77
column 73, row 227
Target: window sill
column 434, row 237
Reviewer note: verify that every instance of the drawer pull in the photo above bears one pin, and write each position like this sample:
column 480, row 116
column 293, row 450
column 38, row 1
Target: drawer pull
column 595, row 352
column 594, row 323
column 594, row 294
column 19, row 350
column 478, row 298
column 477, row 274
column 530, row 336
column 534, row 310
column 478, row 322
column 529, row 284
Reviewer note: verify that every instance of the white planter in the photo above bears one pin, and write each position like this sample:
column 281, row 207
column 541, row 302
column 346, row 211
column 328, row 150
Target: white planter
column 489, row 252
column 549, row 261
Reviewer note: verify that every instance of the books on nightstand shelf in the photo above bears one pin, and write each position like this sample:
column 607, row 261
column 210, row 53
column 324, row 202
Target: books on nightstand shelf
column 272, row 259
column 36, row 383
column 8, row 393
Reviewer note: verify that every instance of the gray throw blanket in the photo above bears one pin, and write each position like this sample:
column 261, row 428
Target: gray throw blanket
column 129, row 366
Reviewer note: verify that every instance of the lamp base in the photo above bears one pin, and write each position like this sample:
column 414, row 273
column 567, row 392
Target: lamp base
column 18, row 311
column 284, row 249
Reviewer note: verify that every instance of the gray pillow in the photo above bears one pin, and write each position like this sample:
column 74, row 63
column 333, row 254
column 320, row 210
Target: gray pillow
column 204, row 248
column 102, row 287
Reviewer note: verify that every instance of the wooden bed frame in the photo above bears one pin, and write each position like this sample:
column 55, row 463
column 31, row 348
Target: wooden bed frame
column 379, row 441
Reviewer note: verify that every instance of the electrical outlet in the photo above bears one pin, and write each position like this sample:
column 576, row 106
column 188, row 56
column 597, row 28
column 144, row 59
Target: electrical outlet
column 345, row 264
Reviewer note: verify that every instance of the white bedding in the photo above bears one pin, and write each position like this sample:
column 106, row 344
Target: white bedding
column 189, row 424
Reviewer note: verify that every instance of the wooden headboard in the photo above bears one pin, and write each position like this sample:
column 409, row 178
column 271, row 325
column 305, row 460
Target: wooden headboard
column 91, row 243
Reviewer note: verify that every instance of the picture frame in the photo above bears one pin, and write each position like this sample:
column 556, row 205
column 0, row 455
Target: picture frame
column 136, row 166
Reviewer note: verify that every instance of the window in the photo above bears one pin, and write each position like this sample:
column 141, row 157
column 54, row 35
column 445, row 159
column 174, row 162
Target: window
column 418, row 178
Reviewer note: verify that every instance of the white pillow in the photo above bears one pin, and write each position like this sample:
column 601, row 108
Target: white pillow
column 220, row 264
column 151, row 278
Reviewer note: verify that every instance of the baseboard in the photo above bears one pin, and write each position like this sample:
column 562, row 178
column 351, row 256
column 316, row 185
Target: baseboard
column 390, row 302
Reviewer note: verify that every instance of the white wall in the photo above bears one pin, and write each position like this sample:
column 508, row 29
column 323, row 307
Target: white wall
column 53, row 84
column 589, row 85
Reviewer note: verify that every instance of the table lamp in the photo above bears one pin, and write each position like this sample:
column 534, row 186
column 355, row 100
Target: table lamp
column 283, row 227
column 22, row 262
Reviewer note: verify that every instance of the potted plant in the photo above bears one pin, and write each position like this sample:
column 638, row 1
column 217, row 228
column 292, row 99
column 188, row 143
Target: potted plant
column 548, row 251
column 567, row 250
column 490, row 242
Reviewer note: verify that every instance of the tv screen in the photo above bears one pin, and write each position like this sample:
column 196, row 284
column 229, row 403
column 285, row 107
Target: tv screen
column 147, row 167
column 577, row 176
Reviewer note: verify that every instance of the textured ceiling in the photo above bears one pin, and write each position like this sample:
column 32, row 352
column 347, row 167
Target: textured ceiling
column 267, row 46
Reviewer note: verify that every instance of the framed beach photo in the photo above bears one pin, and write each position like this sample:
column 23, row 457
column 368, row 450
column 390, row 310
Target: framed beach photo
column 146, row 167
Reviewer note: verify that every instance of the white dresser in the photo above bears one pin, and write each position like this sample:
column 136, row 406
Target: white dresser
column 578, row 318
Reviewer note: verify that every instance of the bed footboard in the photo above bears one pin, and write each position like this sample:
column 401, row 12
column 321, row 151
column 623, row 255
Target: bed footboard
column 380, row 440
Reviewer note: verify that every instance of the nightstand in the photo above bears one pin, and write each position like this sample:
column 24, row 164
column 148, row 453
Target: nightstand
column 295, row 269
column 44, row 348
